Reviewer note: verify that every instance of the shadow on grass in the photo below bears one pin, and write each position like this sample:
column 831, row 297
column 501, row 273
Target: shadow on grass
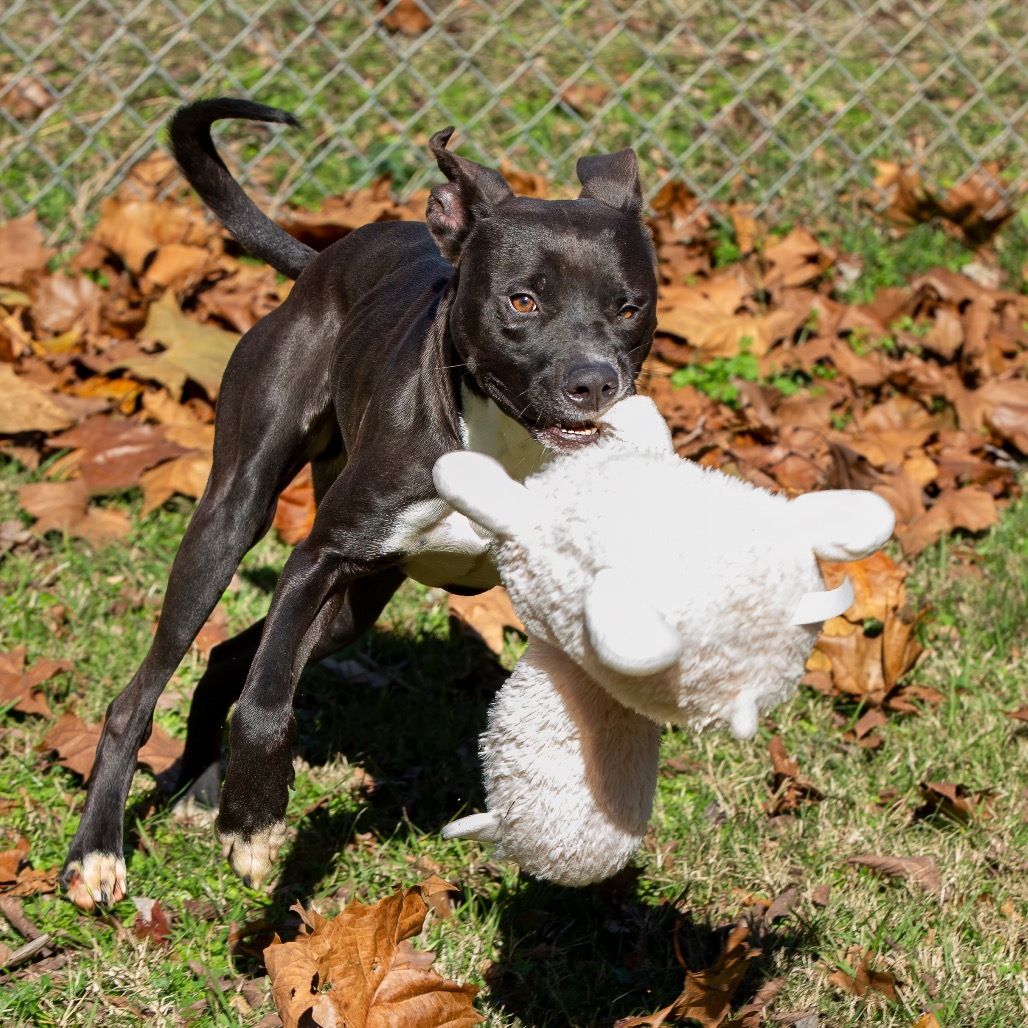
column 410, row 710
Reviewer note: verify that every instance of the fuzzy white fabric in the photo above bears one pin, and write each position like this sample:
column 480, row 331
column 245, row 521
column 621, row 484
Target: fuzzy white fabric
column 666, row 589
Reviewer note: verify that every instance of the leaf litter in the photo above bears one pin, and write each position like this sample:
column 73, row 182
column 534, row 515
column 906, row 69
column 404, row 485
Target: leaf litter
column 918, row 393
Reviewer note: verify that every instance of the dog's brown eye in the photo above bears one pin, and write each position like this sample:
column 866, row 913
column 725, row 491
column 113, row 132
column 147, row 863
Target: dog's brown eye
column 628, row 312
column 522, row 303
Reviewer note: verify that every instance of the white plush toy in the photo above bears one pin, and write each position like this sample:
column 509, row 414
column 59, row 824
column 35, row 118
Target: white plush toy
column 652, row 590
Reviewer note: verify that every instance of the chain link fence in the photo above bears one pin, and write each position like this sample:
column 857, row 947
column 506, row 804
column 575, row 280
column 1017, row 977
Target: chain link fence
column 785, row 104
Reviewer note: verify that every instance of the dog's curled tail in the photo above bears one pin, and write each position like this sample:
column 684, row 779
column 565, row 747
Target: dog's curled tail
column 193, row 149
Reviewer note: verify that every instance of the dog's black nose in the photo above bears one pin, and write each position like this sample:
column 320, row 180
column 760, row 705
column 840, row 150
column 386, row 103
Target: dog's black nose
column 591, row 387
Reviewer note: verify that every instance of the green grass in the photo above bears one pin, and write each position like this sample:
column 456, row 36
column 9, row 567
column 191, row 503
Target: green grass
column 546, row 955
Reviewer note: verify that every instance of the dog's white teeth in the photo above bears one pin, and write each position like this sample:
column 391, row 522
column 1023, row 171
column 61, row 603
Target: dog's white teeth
column 584, row 430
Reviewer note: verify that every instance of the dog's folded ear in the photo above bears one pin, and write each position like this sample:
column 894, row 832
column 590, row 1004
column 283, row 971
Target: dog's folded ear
column 471, row 193
column 613, row 179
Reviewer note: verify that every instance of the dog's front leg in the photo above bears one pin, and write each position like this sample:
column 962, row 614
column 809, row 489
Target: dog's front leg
column 339, row 561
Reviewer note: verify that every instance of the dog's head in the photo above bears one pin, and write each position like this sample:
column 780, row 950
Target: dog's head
column 555, row 300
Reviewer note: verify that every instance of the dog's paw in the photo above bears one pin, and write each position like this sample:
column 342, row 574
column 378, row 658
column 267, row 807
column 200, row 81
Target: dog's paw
column 97, row 880
column 252, row 857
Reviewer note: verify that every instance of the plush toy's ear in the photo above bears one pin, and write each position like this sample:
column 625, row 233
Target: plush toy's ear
column 636, row 421
column 844, row 524
column 627, row 633
column 471, row 193
column 613, row 179
column 478, row 487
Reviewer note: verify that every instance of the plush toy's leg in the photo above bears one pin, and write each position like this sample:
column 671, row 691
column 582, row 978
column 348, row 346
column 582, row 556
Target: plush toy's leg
column 570, row 773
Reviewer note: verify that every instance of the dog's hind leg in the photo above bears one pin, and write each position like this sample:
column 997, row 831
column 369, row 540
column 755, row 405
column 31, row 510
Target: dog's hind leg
column 230, row 664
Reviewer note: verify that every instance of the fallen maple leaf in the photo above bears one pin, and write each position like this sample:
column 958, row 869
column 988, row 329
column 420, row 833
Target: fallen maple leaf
column 294, row 515
column 185, row 476
column 864, row 978
column 27, row 407
column 358, row 970
column 21, row 686
column 22, row 253
column 109, row 454
column 64, row 507
column 487, row 615
column 971, row 508
column 923, row 871
column 954, row 801
column 75, row 741
column 11, row 861
column 151, row 921
column 751, row 1015
column 192, row 350
column 18, row 879
column 707, row 994
column 791, row 790
column 406, row 16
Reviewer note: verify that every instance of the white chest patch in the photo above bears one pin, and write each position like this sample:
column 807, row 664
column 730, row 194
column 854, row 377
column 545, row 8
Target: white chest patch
column 486, row 429
column 443, row 547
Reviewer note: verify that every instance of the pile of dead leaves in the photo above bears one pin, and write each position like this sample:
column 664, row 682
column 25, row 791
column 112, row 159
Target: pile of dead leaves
column 110, row 363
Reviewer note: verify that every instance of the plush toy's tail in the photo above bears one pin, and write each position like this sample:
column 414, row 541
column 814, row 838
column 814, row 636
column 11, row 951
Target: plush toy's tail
column 481, row 827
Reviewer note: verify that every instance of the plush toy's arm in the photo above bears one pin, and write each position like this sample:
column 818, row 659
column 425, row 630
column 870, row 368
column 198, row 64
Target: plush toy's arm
column 479, row 487
column 844, row 524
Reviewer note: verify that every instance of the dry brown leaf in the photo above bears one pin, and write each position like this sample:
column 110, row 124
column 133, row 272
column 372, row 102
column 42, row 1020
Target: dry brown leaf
column 294, row 515
column 864, row 978
column 151, row 921
column 74, row 742
column 185, row 476
column 12, row 860
column 192, row 350
column 173, row 265
column 357, row 970
column 18, row 879
column 923, row 871
column 1018, row 715
column 407, row 16
column 954, row 801
column 21, row 686
column 971, row 508
column 790, row 789
column 64, row 507
column 213, row 632
column 134, row 229
column 66, row 304
column 487, row 615
column 112, row 453
column 877, row 585
column 928, row 1020
column 707, row 994
column 751, row 1015
column 22, row 253
column 27, row 407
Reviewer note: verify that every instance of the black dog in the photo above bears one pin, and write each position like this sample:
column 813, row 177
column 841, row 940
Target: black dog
column 506, row 325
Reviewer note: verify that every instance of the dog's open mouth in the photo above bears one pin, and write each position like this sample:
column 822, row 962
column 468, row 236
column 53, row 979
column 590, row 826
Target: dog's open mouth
column 568, row 435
